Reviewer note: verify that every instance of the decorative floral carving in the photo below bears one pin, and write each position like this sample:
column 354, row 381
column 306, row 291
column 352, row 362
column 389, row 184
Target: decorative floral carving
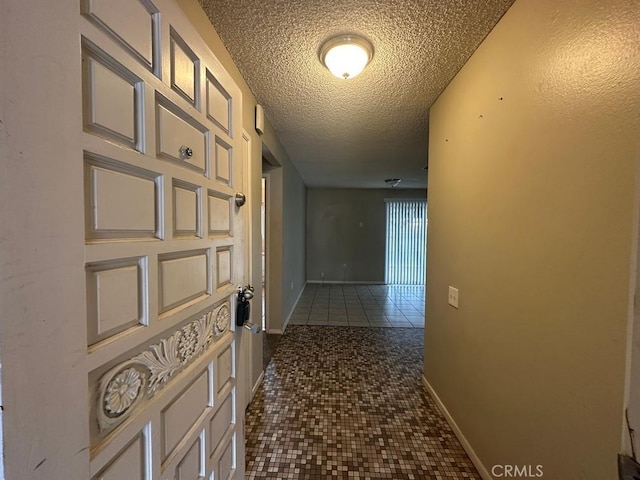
column 222, row 319
column 187, row 342
column 162, row 361
column 121, row 390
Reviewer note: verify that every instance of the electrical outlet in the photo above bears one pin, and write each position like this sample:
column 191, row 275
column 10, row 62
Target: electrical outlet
column 344, row 266
column 453, row 297
column 291, row 285
column 322, row 275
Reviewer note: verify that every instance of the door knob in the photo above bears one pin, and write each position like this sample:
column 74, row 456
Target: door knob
column 246, row 292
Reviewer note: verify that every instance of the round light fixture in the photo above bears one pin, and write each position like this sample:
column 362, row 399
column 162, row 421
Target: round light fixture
column 346, row 55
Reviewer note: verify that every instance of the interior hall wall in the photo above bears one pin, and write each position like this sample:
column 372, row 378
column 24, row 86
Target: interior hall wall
column 348, row 227
column 533, row 162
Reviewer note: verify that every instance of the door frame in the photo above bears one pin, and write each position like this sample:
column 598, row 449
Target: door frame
column 267, row 178
column 246, row 339
column 631, row 411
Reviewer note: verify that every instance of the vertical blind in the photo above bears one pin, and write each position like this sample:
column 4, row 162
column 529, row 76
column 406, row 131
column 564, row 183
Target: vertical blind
column 406, row 242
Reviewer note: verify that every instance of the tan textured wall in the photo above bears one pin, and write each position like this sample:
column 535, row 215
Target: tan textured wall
column 286, row 217
column 533, row 161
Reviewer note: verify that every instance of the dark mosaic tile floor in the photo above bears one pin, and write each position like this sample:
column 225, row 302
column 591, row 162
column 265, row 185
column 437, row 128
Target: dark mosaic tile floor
column 361, row 306
column 347, row 402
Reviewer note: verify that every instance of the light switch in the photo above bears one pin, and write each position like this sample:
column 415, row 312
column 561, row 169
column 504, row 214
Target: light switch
column 453, row 297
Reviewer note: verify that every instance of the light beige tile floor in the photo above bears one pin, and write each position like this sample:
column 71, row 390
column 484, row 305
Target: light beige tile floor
column 399, row 306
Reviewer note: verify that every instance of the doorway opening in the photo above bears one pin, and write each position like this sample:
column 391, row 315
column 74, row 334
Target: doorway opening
column 406, row 242
column 271, row 216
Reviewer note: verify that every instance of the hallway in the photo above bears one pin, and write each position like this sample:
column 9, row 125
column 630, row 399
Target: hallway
column 348, row 402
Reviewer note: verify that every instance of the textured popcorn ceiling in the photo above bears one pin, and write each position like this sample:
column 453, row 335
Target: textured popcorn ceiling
column 353, row 133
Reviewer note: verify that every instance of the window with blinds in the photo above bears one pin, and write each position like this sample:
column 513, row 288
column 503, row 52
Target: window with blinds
column 406, row 242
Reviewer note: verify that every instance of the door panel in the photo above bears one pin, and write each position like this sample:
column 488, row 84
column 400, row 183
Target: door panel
column 161, row 346
column 113, row 98
column 185, row 69
column 132, row 23
column 187, row 209
column 223, row 161
column 224, row 262
column 191, row 466
column 225, row 462
column 221, row 422
column 121, row 200
column 182, row 277
column 116, row 301
column 129, row 463
column 220, row 214
column 219, row 105
column 182, row 414
column 180, row 138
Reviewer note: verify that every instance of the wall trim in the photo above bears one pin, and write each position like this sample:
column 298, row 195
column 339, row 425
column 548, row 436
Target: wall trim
column 257, row 385
column 295, row 304
column 277, row 331
column 482, row 470
column 340, row 282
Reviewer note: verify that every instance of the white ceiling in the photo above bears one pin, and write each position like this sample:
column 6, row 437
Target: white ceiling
column 353, row 133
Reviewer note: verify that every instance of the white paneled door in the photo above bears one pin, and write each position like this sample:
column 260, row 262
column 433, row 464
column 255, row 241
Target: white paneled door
column 147, row 386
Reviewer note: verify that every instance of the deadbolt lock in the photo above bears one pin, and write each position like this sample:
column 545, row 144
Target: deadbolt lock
column 186, row 152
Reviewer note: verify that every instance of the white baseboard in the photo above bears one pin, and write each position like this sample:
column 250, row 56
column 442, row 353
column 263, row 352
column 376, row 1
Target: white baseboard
column 257, row 385
column 293, row 309
column 340, row 282
column 482, row 470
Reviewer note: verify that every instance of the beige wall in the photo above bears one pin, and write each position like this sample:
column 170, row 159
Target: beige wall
column 286, row 212
column 294, row 214
column 533, row 161
column 290, row 239
column 348, row 226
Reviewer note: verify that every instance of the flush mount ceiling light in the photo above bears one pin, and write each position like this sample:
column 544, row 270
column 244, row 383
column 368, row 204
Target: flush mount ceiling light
column 346, row 55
